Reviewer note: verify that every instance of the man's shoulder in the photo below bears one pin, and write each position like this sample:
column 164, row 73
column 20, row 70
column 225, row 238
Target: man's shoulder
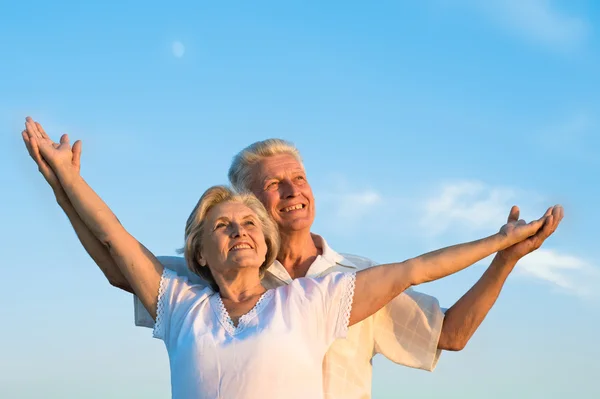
column 360, row 262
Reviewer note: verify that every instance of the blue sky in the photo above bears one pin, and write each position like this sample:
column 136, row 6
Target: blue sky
column 420, row 125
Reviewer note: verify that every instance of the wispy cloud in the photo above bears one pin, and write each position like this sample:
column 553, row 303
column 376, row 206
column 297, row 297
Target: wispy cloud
column 567, row 272
column 458, row 211
column 465, row 204
column 538, row 21
column 476, row 207
column 344, row 206
column 347, row 208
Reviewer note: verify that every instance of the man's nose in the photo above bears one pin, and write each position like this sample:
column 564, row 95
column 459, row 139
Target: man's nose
column 289, row 189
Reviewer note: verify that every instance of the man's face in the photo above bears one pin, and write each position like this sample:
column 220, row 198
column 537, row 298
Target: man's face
column 280, row 184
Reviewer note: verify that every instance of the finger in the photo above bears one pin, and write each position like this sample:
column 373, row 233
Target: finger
column 558, row 212
column 549, row 211
column 542, row 234
column 32, row 128
column 536, row 225
column 41, row 130
column 513, row 215
column 35, row 153
column 521, row 222
column 77, row 154
column 27, row 143
column 557, row 215
column 547, row 230
column 29, row 128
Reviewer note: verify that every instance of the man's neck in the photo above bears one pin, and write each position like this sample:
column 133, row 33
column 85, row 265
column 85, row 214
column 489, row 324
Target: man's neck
column 298, row 251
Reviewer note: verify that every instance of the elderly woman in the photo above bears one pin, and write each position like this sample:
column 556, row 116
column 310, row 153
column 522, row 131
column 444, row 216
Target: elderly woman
column 234, row 338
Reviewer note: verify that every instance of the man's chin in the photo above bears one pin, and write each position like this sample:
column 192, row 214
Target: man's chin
column 294, row 226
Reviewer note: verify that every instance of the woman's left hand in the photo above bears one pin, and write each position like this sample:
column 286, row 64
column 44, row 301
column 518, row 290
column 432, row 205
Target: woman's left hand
column 59, row 156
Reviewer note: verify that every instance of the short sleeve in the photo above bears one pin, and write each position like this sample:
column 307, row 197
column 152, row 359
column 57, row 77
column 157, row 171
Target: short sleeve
column 408, row 328
column 176, row 263
column 330, row 300
column 176, row 295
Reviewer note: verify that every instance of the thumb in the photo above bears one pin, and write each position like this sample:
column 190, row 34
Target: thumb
column 513, row 216
column 64, row 139
column 77, row 155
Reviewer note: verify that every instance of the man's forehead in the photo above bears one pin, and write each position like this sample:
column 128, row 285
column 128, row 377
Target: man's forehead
column 276, row 166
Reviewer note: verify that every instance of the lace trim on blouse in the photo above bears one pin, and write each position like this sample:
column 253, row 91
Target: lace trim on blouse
column 225, row 319
column 348, row 284
column 159, row 327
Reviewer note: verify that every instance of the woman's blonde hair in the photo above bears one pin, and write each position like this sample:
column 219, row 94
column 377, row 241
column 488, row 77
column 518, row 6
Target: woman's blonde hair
column 194, row 228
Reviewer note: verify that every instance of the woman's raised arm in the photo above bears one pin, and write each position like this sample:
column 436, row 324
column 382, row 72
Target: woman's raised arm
column 139, row 266
column 376, row 286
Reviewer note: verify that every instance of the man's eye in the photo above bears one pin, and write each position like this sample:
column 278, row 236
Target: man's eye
column 271, row 185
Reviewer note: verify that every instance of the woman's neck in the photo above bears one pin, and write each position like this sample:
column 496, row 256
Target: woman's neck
column 239, row 285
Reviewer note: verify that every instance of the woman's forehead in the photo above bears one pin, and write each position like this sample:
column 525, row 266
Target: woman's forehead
column 230, row 210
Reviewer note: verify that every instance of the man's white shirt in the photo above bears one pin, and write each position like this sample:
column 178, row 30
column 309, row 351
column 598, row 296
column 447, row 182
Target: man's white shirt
column 406, row 330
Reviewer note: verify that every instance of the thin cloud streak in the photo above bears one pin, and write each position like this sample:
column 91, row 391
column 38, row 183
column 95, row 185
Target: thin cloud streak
column 537, row 21
column 456, row 211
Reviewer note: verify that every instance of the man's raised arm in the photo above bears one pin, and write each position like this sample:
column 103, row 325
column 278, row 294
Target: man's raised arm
column 464, row 317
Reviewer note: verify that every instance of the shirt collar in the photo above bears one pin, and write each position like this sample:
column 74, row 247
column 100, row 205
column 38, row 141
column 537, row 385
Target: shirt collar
column 328, row 258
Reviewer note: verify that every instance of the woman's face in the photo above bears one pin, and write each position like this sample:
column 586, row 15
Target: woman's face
column 233, row 238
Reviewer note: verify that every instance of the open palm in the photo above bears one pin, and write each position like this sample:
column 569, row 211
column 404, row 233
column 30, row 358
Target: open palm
column 553, row 217
column 48, row 155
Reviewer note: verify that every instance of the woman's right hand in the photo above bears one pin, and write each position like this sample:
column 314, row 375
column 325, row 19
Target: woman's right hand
column 30, row 135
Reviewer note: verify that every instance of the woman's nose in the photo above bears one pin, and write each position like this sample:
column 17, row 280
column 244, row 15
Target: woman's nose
column 237, row 230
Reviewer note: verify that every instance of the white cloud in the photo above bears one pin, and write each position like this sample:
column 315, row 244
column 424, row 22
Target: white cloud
column 343, row 206
column 570, row 273
column 346, row 208
column 467, row 205
column 459, row 211
column 539, row 21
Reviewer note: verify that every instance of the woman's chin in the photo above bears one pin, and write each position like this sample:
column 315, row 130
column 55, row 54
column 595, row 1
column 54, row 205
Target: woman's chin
column 246, row 262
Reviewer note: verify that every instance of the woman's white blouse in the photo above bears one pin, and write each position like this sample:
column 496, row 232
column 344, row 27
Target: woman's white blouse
column 276, row 351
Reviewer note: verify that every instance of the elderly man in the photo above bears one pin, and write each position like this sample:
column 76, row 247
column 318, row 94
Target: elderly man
column 411, row 330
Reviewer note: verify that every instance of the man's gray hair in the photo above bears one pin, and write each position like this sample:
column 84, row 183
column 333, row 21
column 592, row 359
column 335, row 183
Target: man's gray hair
column 240, row 171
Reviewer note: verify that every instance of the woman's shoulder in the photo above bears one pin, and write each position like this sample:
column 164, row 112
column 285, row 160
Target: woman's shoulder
column 307, row 286
column 183, row 288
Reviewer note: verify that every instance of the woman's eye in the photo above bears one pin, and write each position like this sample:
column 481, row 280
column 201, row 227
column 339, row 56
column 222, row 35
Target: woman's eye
column 250, row 222
column 219, row 225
